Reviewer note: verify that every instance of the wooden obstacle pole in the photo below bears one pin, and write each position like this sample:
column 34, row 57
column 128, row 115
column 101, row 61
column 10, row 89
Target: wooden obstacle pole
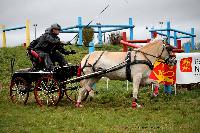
column 17, row 28
column 131, row 43
column 27, row 33
column 4, row 38
column 191, row 35
column 3, row 35
column 98, row 28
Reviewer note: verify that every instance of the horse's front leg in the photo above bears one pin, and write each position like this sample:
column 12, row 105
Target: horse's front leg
column 136, row 84
column 82, row 91
column 86, row 87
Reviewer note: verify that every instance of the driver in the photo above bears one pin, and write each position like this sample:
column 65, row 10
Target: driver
column 50, row 48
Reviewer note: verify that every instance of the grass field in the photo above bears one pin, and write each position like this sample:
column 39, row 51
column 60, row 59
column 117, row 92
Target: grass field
column 110, row 111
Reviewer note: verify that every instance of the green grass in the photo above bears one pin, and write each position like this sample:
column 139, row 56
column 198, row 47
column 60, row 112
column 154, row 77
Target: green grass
column 110, row 111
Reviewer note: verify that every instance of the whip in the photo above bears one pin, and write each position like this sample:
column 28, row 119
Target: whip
column 94, row 19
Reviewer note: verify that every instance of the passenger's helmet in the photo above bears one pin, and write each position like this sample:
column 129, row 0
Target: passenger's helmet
column 56, row 26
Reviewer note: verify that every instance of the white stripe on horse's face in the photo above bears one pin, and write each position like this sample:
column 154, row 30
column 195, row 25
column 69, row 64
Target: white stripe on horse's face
column 162, row 51
column 165, row 53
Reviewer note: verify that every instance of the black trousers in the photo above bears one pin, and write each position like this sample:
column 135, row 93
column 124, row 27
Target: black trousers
column 58, row 57
column 51, row 58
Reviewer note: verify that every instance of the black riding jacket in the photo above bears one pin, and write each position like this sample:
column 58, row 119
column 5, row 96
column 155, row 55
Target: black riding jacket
column 48, row 42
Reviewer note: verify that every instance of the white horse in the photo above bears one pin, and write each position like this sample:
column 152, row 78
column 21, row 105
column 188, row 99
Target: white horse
column 138, row 70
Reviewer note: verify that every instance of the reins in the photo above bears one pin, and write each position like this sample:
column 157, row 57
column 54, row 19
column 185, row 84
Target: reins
column 166, row 60
column 159, row 57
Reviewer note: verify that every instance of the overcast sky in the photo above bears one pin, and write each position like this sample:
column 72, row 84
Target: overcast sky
column 183, row 15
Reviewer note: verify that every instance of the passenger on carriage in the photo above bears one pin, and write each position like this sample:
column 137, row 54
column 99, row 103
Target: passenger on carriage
column 49, row 49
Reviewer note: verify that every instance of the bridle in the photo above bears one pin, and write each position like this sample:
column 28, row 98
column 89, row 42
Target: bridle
column 165, row 60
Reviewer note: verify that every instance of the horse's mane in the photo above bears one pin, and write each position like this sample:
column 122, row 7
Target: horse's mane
column 152, row 45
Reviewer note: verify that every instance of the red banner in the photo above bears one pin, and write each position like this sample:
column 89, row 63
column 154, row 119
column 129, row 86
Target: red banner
column 163, row 73
column 186, row 64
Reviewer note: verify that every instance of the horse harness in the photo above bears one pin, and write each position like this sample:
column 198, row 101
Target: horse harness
column 91, row 65
column 129, row 63
column 146, row 62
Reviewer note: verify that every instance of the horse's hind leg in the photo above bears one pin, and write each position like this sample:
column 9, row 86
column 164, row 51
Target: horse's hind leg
column 86, row 86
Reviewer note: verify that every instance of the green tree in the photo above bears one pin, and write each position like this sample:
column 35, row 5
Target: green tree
column 88, row 35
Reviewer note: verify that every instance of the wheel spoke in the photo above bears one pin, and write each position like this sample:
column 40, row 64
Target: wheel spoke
column 47, row 92
column 19, row 91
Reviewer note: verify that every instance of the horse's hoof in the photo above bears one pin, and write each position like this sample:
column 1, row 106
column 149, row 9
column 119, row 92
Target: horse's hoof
column 139, row 106
column 154, row 94
column 78, row 105
column 136, row 105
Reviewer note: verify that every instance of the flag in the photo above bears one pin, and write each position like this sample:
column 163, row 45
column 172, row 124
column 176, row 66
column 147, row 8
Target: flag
column 188, row 68
column 186, row 64
column 163, row 73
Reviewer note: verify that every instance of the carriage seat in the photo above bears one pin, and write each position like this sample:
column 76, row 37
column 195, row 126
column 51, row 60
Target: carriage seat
column 37, row 61
column 36, row 56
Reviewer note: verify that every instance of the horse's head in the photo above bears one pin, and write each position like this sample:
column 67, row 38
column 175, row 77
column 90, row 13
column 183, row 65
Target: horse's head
column 166, row 53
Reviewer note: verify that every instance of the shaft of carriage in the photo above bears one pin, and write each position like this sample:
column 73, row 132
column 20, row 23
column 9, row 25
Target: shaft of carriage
column 100, row 72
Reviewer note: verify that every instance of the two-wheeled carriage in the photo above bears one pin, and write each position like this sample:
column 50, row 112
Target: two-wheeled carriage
column 48, row 87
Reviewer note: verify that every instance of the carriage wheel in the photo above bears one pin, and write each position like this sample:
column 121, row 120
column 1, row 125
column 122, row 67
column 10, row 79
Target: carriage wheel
column 71, row 92
column 19, row 91
column 47, row 91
